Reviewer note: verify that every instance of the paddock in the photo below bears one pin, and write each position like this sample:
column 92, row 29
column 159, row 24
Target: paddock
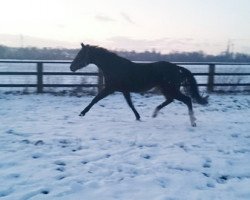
column 48, row 152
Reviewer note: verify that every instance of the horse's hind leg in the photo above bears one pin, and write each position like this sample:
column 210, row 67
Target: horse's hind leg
column 169, row 99
column 165, row 103
column 129, row 101
column 187, row 100
column 105, row 92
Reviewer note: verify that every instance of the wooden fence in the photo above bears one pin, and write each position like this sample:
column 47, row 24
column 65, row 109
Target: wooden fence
column 40, row 73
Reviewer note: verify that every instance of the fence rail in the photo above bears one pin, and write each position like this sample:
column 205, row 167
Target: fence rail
column 40, row 73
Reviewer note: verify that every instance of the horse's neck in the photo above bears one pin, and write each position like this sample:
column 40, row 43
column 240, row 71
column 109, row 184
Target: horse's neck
column 109, row 62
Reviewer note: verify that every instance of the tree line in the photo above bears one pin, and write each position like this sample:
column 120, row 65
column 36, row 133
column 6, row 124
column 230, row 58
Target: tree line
column 69, row 54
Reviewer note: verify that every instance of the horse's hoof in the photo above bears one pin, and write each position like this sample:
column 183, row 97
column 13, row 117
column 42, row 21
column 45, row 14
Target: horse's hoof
column 81, row 114
column 194, row 124
column 155, row 113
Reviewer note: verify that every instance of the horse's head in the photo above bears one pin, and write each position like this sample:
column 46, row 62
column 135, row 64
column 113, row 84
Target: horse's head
column 82, row 58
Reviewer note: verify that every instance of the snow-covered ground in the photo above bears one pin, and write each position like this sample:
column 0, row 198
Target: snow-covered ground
column 48, row 152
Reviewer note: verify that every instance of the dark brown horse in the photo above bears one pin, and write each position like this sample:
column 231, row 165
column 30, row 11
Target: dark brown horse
column 125, row 76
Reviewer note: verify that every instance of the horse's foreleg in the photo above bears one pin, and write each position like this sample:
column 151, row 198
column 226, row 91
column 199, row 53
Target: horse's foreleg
column 128, row 99
column 105, row 92
column 158, row 108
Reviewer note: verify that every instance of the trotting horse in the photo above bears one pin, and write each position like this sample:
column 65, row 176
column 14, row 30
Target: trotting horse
column 125, row 76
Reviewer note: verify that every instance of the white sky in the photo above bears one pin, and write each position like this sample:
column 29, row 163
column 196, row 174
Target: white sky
column 165, row 25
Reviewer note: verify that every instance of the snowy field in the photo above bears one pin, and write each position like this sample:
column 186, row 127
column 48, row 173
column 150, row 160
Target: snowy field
column 48, row 152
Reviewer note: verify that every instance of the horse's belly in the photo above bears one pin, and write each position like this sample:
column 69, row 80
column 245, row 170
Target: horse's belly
column 136, row 87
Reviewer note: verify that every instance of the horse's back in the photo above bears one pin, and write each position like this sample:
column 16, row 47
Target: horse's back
column 164, row 72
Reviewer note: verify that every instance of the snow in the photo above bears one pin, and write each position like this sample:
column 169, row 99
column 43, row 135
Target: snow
column 48, row 152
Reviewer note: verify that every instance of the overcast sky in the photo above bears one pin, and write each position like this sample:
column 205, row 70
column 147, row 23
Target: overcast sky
column 163, row 25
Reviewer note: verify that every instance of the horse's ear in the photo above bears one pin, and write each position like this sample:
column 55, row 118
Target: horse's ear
column 82, row 45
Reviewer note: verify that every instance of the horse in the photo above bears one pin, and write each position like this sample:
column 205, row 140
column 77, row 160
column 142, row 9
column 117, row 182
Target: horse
column 125, row 76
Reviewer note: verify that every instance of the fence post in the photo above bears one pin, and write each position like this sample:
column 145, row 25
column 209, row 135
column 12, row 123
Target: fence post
column 100, row 80
column 39, row 77
column 210, row 81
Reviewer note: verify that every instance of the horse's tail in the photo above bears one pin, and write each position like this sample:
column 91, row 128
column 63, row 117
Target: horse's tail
column 191, row 85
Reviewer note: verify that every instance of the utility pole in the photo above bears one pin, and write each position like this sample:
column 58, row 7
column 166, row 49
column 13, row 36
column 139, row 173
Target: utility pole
column 21, row 41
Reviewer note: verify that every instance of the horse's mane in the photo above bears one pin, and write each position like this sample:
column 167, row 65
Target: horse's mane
column 106, row 52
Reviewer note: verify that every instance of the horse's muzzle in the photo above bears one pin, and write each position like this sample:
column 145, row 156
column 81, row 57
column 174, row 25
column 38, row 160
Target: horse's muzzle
column 71, row 69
